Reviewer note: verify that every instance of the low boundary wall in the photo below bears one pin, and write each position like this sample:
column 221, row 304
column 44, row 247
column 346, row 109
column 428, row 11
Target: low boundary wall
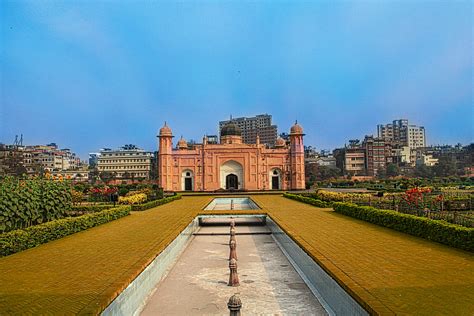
column 132, row 300
column 331, row 295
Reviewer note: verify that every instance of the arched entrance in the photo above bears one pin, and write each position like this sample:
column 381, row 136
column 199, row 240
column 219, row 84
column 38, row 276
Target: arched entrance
column 275, row 176
column 187, row 183
column 231, row 182
column 231, row 175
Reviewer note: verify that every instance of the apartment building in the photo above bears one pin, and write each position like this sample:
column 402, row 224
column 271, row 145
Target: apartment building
column 354, row 161
column 401, row 133
column 260, row 125
column 127, row 162
column 376, row 154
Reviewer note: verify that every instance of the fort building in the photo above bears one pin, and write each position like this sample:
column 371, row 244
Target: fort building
column 231, row 164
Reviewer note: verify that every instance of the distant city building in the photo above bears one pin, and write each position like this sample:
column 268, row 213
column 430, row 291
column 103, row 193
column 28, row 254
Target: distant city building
column 212, row 139
column 401, row 133
column 93, row 159
column 375, row 155
column 260, row 125
column 328, row 161
column 354, row 159
column 37, row 159
column 427, row 160
column 126, row 163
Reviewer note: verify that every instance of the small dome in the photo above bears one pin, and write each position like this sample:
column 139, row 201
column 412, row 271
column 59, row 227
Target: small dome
column 182, row 143
column 296, row 129
column 280, row 142
column 231, row 129
column 165, row 131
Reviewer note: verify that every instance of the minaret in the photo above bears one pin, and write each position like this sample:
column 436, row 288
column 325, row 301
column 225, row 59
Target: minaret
column 297, row 158
column 165, row 159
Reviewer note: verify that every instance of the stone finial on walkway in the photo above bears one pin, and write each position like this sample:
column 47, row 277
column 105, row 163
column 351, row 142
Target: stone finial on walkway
column 234, row 305
column 233, row 276
column 233, row 250
column 232, row 235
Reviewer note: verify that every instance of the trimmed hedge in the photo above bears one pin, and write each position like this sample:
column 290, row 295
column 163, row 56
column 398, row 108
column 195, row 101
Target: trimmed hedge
column 91, row 208
column 87, row 209
column 435, row 230
column 146, row 206
column 22, row 239
column 304, row 199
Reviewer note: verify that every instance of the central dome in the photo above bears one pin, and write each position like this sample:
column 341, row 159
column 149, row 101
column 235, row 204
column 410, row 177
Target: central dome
column 231, row 129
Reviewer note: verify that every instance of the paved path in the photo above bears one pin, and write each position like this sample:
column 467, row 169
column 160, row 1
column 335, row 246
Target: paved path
column 391, row 271
column 197, row 284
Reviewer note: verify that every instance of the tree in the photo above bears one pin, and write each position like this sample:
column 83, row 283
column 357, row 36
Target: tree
column 393, row 170
column 94, row 174
column 446, row 167
column 105, row 176
column 423, row 171
column 126, row 175
column 327, row 172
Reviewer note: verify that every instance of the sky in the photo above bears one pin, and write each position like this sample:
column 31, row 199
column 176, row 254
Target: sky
column 94, row 74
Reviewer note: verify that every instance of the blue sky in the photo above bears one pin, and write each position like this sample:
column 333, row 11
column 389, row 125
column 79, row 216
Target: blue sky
column 93, row 74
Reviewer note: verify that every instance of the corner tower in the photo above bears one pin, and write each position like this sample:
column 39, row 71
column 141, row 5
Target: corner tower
column 297, row 158
column 165, row 159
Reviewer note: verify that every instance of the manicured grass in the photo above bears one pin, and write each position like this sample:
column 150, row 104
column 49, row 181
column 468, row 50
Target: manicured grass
column 387, row 271
column 390, row 271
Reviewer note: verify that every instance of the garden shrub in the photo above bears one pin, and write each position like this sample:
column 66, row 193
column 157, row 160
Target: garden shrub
column 145, row 206
column 22, row 239
column 86, row 209
column 308, row 200
column 435, row 230
column 30, row 202
column 133, row 199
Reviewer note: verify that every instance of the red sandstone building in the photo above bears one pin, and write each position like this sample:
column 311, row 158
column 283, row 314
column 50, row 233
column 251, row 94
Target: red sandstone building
column 232, row 164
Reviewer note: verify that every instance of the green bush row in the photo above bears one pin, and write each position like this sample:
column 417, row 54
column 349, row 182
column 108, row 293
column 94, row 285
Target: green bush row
column 91, row 208
column 304, row 199
column 22, row 239
column 151, row 204
column 435, row 230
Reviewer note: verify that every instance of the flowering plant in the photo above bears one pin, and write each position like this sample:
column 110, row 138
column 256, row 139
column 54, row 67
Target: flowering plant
column 416, row 196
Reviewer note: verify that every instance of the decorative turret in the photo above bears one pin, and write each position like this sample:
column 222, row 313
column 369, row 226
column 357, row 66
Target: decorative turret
column 296, row 129
column 297, row 157
column 165, row 150
column 165, row 131
column 280, row 142
column 182, row 143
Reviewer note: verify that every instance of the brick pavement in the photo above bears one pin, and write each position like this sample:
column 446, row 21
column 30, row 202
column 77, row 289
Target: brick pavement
column 390, row 272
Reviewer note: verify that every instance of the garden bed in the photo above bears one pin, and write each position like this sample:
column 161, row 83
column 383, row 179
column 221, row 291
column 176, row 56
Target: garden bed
column 22, row 239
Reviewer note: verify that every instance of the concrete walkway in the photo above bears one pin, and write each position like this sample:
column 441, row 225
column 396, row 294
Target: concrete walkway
column 197, row 284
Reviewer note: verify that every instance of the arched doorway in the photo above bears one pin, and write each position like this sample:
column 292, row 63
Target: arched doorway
column 275, row 176
column 187, row 183
column 231, row 182
column 231, row 175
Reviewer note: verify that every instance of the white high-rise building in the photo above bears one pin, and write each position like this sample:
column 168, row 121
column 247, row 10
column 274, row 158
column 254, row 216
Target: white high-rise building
column 403, row 134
